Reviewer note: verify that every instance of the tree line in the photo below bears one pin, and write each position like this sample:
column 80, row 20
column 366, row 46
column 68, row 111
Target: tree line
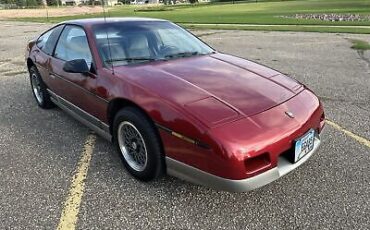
column 29, row 3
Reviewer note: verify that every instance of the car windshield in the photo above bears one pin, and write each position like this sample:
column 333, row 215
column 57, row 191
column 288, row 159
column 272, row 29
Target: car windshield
column 124, row 43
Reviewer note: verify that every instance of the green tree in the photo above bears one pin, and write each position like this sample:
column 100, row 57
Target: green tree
column 20, row 3
column 32, row 3
column 52, row 2
column 124, row 1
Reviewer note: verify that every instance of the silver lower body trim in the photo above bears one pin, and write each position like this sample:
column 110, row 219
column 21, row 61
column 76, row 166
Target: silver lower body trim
column 194, row 175
column 92, row 122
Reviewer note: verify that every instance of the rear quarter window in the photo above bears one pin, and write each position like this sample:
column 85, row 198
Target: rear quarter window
column 42, row 39
column 48, row 40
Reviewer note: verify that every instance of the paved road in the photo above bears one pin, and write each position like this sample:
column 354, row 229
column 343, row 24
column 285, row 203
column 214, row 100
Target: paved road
column 40, row 151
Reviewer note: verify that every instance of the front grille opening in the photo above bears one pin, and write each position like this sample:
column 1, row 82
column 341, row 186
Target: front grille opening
column 322, row 122
column 258, row 163
column 289, row 154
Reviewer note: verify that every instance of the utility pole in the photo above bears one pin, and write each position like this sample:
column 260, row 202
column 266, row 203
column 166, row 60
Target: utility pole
column 46, row 8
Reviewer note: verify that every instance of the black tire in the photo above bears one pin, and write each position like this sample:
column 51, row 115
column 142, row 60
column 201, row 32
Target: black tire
column 154, row 166
column 42, row 96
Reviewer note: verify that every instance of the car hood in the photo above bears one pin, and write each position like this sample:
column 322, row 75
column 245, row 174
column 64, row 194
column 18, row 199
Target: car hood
column 218, row 85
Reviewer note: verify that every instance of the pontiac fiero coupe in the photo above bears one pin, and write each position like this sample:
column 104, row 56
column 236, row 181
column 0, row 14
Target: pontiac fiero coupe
column 172, row 104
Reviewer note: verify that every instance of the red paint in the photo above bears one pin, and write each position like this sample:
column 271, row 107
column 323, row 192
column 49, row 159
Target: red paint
column 235, row 106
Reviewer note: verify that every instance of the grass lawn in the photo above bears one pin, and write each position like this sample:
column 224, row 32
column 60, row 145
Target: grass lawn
column 261, row 13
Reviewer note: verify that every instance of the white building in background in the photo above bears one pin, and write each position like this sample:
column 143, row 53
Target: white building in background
column 72, row 2
column 97, row 2
column 141, row 2
column 111, row 2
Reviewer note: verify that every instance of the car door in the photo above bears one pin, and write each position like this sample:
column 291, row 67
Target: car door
column 77, row 89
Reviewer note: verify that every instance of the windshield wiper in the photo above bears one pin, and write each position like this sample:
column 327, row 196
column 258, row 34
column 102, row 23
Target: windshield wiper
column 132, row 59
column 183, row 54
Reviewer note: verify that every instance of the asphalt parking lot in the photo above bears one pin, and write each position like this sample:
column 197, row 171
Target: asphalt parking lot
column 40, row 150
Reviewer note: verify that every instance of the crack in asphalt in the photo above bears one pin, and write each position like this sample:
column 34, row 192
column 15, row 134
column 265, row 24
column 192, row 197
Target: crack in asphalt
column 358, row 104
column 363, row 108
column 210, row 33
column 324, row 98
column 18, row 63
column 11, row 73
column 5, row 61
column 361, row 53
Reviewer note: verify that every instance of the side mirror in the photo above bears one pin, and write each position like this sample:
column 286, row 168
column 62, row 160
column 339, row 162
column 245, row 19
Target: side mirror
column 76, row 66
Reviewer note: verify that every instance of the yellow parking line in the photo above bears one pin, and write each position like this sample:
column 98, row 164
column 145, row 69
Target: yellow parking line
column 360, row 139
column 71, row 208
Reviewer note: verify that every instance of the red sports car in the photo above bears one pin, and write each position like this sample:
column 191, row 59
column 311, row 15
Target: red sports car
column 170, row 103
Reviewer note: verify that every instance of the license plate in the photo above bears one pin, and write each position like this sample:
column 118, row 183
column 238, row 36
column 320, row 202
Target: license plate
column 304, row 145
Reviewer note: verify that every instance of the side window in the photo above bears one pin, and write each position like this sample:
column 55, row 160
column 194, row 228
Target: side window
column 73, row 45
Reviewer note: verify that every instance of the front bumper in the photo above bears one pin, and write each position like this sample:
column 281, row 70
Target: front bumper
column 194, row 175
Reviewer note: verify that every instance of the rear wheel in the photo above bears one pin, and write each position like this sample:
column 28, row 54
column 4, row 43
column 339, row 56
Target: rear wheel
column 138, row 144
column 39, row 89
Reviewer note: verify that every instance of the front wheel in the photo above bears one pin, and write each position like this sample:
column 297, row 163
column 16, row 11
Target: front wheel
column 138, row 144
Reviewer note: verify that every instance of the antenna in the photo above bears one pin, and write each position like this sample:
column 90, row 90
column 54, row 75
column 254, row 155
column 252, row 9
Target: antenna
column 106, row 32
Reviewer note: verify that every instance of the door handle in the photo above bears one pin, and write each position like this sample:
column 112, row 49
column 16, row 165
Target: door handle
column 91, row 75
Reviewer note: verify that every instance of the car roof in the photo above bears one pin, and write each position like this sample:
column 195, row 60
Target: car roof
column 94, row 21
